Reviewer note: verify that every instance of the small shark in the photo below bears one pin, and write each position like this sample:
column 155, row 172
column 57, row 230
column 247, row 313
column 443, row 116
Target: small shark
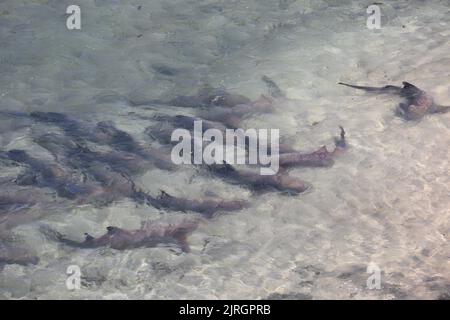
column 16, row 205
column 207, row 97
column 168, row 123
column 54, row 176
column 149, row 235
column 187, row 122
column 64, row 149
column 417, row 103
column 280, row 181
column 12, row 254
column 103, row 133
column 221, row 106
column 207, row 208
column 24, row 204
column 232, row 117
column 319, row 158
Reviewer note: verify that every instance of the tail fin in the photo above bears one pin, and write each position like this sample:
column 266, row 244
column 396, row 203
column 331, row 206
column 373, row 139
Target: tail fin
column 56, row 236
column 385, row 89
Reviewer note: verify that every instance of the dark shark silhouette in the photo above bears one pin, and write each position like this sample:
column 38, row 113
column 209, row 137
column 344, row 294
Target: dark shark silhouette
column 221, row 106
column 417, row 103
column 43, row 174
column 205, row 98
column 149, row 235
column 10, row 253
column 274, row 89
column 78, row 155
column 206, row 207
column 256, row 182
column 117, row 184
column 319, row 158
column 16, row 205
column 104, row 133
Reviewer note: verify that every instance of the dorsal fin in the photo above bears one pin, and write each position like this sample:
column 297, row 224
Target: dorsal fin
column 407, row 85
column 165, row 195
column 229, row 167
column 409, row 90
column 111, row 229
column 274, row 89
column 88, row 237
column 222, row 168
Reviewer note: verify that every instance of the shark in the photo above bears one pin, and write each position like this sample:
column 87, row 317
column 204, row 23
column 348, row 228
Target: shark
column 118, row 184
column 103, row 133
column 319, row 158
column 67, row 183
column 260, row 183
column 11, row 253
column 416, row 102
column 207, row 97
column 149, row 235
column 207, row 208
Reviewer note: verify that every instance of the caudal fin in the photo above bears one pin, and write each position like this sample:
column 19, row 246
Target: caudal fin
column 385, row 89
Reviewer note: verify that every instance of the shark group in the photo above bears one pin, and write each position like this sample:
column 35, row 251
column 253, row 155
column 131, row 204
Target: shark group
column 96, row 164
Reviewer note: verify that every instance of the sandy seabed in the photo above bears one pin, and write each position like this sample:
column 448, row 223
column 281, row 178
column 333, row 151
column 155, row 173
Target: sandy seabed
column 386, row 201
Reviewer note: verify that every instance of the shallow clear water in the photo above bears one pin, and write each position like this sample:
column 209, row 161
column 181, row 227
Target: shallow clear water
column 384, row 201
